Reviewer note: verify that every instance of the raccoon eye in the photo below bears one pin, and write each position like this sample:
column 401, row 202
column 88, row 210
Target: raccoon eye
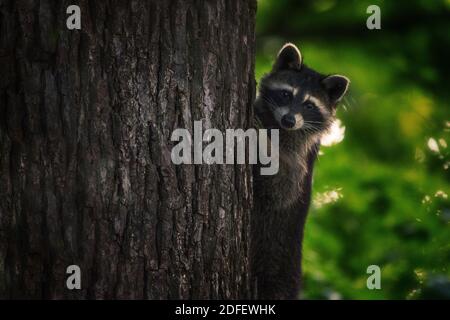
column 284, row 96
column 309, row 105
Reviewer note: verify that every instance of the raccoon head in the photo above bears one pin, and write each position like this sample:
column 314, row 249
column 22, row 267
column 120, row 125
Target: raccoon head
column 295, row 97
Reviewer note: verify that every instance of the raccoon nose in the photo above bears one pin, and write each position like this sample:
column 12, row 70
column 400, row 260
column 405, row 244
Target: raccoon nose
column 288, row 121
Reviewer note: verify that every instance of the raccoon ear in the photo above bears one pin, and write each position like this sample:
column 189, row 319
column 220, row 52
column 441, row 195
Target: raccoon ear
column 289, row 57
column 336, row 87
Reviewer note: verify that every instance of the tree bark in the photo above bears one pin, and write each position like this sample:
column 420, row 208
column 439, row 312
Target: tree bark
column 85, row 171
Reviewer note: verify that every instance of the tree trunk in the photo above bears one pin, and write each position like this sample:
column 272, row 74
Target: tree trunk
column 86, row 176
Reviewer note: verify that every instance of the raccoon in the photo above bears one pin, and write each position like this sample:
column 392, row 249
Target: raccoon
column 301, row 103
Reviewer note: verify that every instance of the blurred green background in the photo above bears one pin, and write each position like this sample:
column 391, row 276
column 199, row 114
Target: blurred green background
column 381, row 194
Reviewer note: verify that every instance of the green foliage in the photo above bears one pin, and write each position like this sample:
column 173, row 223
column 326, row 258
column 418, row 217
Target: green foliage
column 381, row 195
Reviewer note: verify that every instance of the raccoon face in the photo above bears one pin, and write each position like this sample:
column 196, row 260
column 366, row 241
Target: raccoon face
column 295, row 97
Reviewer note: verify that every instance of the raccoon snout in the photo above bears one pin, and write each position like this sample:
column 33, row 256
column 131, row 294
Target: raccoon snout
column 288, row 121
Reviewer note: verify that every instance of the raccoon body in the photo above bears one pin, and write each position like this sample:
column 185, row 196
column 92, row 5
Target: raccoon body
column 301, row 103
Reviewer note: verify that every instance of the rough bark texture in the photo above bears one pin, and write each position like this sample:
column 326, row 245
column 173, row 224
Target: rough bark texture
column 85, row 172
